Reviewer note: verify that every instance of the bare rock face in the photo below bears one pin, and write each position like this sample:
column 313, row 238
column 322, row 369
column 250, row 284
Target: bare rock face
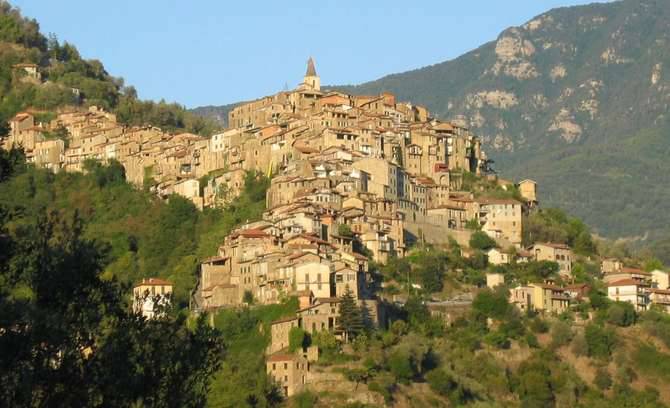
column 564, row 123
column 540, row 22
column 513, row 54
column 656, row 73
column 557, row 72
column 497, row 98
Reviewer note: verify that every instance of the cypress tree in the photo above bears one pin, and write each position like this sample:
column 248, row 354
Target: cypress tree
column 351, row 320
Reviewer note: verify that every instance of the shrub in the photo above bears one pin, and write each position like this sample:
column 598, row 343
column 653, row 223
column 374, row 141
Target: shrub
column 531, row 341
column 297, row 339
column 345, row 230
column 535, row 387
column 492, row 304
column 600, row 341
column 579, row 346
column 441, row 382
column 399, row 328
column 621, row 314
column 305, row 399
column 479, row 240
column 539, row 325
column 648, row 359
column 657, row 323
column 603, row 379
column 400, row 365
column 497, row 339
column 561, row 334
column 248, row 297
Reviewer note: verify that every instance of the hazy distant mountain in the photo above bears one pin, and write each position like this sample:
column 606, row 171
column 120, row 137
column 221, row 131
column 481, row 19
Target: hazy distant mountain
column 577, row 99
column 220, row 113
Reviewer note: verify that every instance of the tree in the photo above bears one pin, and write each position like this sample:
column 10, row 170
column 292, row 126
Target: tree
column 535, row 387
column 350, row 322
column 248, row 297
column 400, row 364
column 297, row 339
column 600, row 341
column 67, row 334
column 561, row 334
column 492, row 304
column 621, row 314
column 480, row 240
column 431, row 268
column 12, row 162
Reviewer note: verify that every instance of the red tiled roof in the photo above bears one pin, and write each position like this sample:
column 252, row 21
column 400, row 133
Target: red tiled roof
column 281, row 357
column 252, row 233
column 552, row 245
column 285, row 319
column 486, row 200
column 634, row 270
column 214, row 259
column 626, row 282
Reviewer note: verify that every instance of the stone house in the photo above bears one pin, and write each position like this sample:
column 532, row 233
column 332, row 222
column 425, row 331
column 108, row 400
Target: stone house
column 500, row 218
column 660, row 297
column 322, row 315
column 546, row 298
column 279, row 334
column 496, row 256
column 290, row 371
column 559, row 253
column 150, row 295
column 528, row 190
column 660, row 279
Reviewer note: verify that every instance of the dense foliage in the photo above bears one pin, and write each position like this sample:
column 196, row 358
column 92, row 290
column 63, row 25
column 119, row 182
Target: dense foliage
column 67, row 330
column 146, row 236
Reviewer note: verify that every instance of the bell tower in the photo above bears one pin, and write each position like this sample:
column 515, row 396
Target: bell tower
column 311, row 79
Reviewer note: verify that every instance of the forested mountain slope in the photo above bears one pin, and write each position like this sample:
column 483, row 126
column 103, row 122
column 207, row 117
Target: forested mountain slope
column 576, row 98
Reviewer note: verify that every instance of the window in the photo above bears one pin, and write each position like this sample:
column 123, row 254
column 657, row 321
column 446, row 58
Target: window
column 285, row 366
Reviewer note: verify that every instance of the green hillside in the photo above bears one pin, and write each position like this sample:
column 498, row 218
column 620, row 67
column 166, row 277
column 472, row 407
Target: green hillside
column 69, row 80
column 577, row 99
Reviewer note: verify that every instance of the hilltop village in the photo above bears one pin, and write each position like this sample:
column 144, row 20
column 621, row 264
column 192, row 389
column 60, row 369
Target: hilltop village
column 355, row 181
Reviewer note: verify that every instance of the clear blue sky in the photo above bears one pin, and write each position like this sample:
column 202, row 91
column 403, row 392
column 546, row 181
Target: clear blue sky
column 204, row 52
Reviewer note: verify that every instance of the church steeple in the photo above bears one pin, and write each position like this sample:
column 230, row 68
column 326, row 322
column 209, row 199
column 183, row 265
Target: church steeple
column 311, row 79
column 311, row 71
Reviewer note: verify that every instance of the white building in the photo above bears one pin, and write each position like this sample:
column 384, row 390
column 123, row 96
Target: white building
column 631, row 291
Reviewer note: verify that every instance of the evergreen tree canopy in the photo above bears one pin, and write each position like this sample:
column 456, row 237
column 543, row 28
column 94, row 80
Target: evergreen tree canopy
column 351, row 318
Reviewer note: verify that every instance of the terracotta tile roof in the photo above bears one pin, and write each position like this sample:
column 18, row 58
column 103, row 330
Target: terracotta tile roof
column 552, row 245
column 626, row 282
column 252, row 233
column 488, row 200
column 635, row 271
column 285, row 320
column 214, row 259
column 281, row 357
